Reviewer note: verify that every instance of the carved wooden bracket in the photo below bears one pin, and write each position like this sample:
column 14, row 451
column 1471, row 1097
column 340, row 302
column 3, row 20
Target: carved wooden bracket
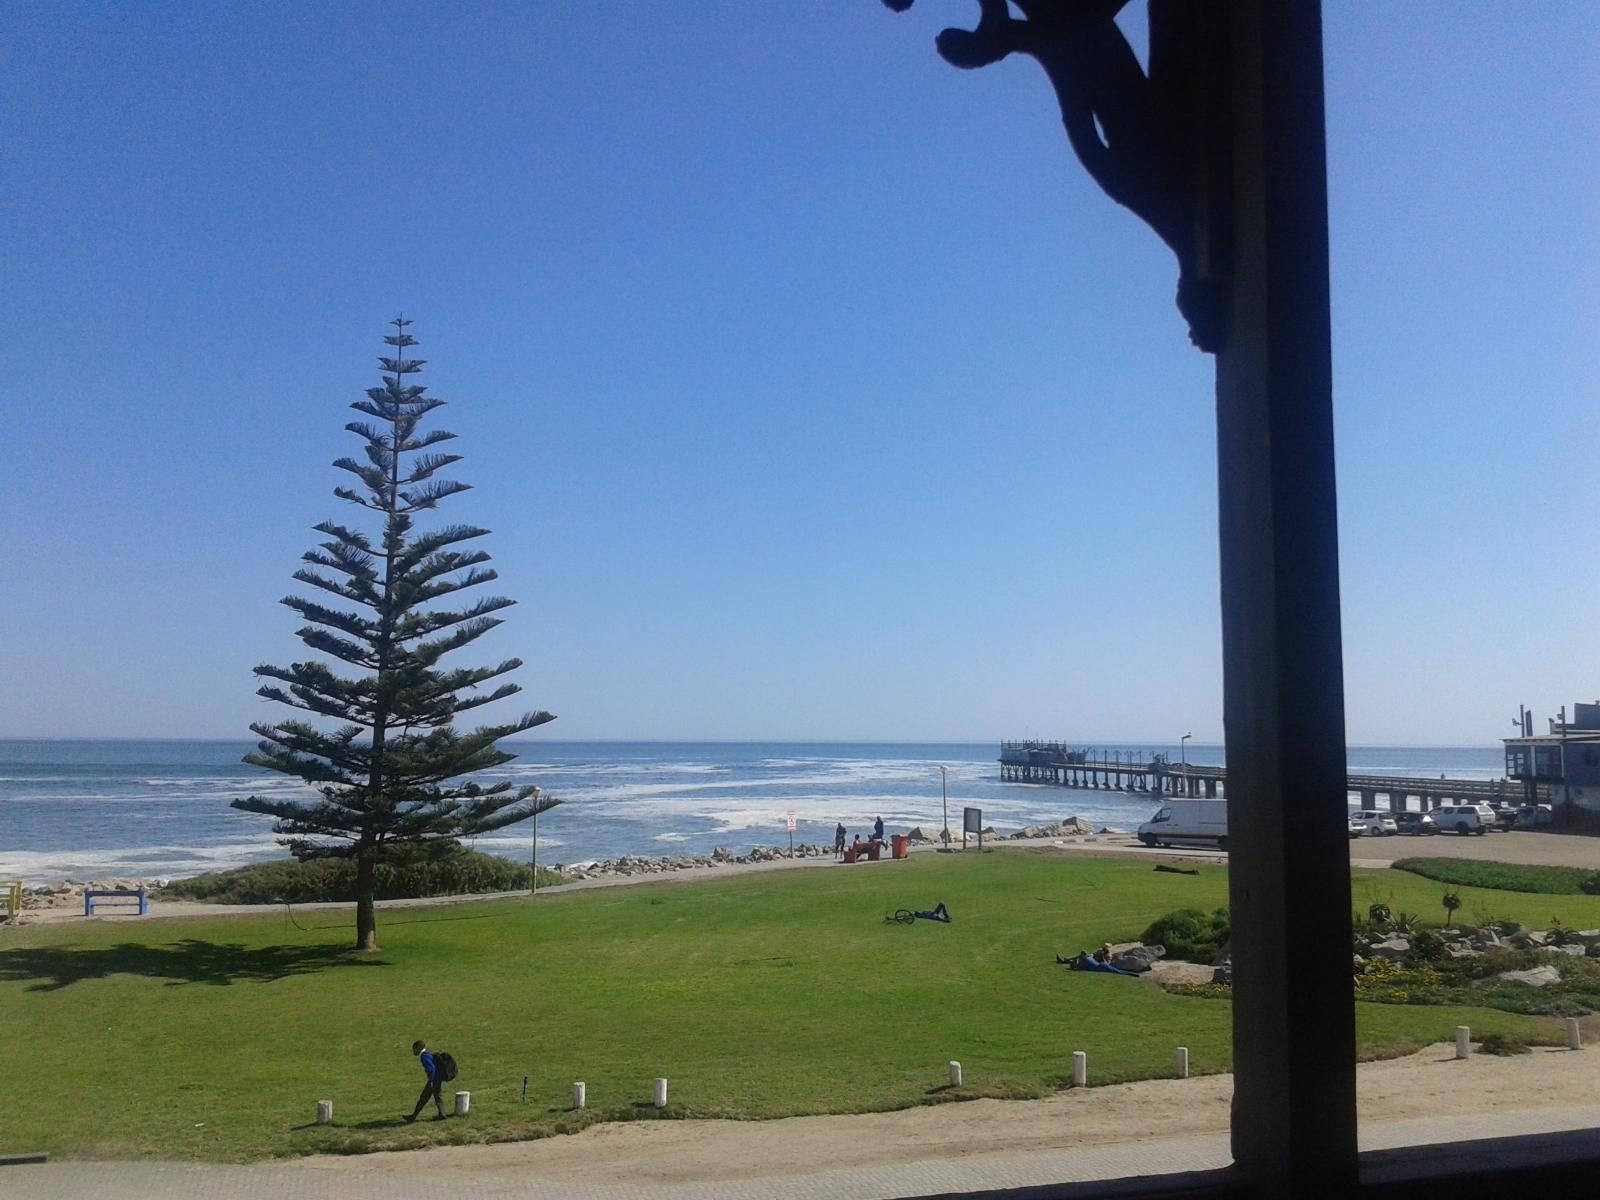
column 1155, row 143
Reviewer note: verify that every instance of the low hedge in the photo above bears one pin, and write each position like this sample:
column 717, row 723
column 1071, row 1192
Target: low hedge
column 1505, row 877
column 458, row 872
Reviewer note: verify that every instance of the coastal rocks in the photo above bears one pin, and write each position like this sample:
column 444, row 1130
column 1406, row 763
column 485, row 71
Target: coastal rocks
column 69, row 893
column 722, row 854
column 1570, row 949
column 1071, row 827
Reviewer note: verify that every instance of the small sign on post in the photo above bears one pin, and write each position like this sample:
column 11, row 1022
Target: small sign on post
column 791, row 832
column 972, row 822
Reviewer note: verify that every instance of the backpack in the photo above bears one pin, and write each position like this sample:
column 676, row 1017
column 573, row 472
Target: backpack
column 445, row 1065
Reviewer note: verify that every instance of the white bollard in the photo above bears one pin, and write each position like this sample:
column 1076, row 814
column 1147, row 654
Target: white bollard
column 1080, row 1069
column 661, row 1093
column 1463, row 1041
column 1574, row 1034
column 463, row 1103
column 580, row 1095
column 955, row 1073
column 324, row 1112
column 1181, row 1062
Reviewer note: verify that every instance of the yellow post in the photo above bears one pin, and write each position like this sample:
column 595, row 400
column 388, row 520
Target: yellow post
column 13, row 897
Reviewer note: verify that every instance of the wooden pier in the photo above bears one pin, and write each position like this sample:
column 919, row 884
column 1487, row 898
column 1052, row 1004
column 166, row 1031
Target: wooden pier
column 1131, row 771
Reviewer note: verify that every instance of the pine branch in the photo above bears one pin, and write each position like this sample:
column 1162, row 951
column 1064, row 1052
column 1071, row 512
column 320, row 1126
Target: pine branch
column 347, row 622
column 429, row 495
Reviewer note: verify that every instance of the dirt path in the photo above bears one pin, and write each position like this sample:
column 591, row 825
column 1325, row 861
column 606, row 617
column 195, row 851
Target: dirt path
column 1427, row 1084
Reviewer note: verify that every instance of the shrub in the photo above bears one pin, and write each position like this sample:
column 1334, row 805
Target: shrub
column 453, row 873
column 1427, row 947
column 1503, row 1043
column 1590, row 886
column 1503, row 877
column 1190, row 934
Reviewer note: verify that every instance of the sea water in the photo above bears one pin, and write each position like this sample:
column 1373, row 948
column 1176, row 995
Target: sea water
column 153, row 809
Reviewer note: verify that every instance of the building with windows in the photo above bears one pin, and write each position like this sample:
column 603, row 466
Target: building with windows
column 1562, row 765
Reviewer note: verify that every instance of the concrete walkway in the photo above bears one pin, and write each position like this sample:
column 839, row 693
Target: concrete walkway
column 311, row 1179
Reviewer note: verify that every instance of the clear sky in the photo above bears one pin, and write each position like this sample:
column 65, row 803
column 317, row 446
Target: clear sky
column 809, row 386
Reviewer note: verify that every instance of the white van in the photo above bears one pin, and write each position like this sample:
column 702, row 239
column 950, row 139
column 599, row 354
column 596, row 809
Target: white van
column 1188, row 823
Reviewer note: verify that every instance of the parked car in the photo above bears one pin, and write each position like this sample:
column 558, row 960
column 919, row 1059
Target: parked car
column 1465, row 818
column 1358, row 827
column 1379, row 824
column 1531, row 816
column 1415, row 823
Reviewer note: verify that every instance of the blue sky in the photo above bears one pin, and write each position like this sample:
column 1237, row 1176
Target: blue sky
column 810, row 388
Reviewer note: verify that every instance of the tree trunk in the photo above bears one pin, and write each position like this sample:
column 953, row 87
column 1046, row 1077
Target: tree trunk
column 366, row 923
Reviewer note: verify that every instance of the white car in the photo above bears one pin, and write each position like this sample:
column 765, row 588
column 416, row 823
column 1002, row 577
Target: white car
column 1465, row 818
column 1378, row 824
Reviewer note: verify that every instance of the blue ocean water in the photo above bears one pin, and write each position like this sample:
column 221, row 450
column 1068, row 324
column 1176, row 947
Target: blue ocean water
column 150, row 809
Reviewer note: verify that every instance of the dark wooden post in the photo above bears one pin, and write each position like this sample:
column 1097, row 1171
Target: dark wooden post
column 1294, row 1126
column 1219, row 147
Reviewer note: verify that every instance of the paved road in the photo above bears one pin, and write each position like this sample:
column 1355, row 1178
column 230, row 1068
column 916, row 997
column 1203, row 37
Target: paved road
column 307, row 1180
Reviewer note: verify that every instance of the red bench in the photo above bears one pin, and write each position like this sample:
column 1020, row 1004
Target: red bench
column 864, row 850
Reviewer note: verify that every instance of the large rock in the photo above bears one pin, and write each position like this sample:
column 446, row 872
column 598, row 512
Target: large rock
column 1534, row 977
column 1571, row 949
column 721, row 854
column 1137, row 958
column 1076, row 825
column 1394, row 949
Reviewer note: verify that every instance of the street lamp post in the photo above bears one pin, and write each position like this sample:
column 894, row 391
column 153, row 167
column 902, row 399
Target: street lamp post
column 1183, row 748
column 944, row 797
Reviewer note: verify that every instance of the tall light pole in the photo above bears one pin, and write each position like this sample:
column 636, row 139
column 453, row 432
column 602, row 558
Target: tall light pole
column 944, row 796
column 1183, row 749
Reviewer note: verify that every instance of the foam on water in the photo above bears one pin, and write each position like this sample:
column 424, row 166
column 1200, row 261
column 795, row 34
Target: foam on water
column 161, row 808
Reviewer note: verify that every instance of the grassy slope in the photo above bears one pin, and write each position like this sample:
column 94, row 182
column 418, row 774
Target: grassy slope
column 758, row 996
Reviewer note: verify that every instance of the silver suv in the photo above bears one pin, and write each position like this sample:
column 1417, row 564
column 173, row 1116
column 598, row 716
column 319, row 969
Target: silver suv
column 1465, row 818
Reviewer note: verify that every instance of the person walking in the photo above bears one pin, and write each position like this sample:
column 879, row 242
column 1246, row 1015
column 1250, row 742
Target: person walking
column 838, row 840
column 435, row 1084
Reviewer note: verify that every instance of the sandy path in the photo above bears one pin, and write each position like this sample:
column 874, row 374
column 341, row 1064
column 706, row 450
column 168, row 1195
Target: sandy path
column 1430, row 1083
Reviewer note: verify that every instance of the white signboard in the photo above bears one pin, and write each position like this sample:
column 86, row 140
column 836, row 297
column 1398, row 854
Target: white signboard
column 791, row 820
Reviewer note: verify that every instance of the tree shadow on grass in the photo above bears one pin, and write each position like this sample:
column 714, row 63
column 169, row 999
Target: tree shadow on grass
column 188, row 961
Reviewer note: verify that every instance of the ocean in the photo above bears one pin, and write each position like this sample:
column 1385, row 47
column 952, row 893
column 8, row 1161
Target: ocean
column 159, row 809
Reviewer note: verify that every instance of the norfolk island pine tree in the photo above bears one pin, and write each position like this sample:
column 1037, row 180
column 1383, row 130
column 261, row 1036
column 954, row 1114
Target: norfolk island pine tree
column 384, row 772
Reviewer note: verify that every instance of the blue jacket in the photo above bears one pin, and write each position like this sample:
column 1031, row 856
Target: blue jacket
column 426, row 1058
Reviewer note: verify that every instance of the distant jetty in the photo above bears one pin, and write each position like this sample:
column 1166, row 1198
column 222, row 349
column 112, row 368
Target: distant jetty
column 1132, row 771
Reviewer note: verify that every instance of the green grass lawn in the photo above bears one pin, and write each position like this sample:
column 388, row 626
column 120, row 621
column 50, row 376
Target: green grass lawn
column 757, row 995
